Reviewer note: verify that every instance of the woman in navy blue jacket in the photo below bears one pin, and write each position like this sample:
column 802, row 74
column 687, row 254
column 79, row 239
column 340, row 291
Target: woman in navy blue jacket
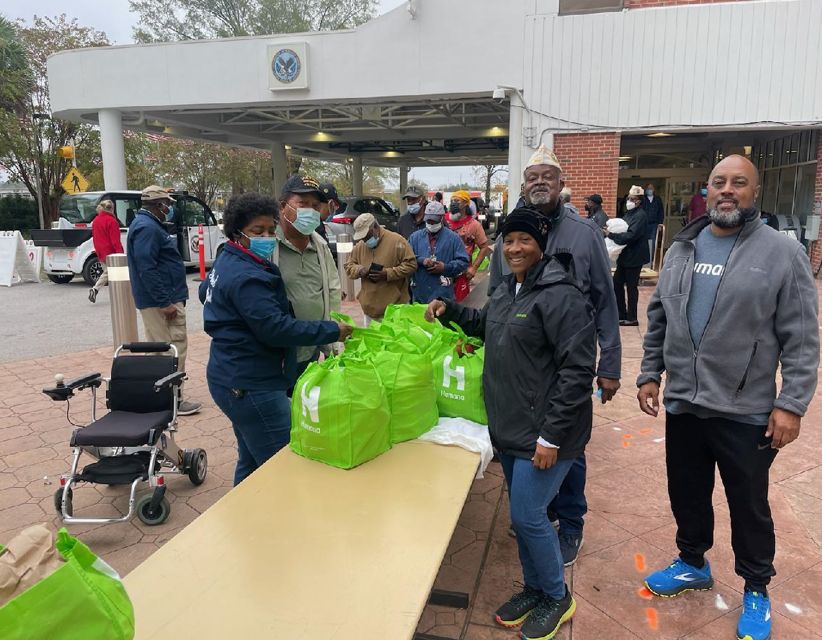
column 254, row 333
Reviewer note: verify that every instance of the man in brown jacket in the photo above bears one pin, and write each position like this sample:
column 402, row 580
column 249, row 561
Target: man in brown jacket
column 384, row 261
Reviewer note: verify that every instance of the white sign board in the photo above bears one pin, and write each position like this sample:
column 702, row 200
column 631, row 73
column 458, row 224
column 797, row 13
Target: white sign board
column 35, row 255
column 14, row 261
column 287, row 66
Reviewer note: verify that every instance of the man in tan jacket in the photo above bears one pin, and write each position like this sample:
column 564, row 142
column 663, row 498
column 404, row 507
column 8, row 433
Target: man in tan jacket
column 384, row 261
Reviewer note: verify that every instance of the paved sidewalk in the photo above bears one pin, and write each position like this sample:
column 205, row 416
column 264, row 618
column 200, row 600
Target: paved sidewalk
column 629, row 527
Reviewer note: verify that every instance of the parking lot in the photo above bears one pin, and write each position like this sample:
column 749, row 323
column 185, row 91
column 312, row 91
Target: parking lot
column 48, row 319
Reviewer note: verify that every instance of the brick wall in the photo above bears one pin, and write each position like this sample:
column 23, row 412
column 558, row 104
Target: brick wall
column 816, row 247
column 644, row 4
column 590, row 164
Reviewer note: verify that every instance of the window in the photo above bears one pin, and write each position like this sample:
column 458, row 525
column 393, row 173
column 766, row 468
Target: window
column 126, row 210
column 79, row 208
column 570, row 7
column 787, row 183
column 189, row 213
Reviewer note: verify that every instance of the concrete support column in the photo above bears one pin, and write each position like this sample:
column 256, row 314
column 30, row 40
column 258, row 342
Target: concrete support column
column 356, row 176
column 279, row 168
column 403, row 188
column 111, row 145
column 515, row 145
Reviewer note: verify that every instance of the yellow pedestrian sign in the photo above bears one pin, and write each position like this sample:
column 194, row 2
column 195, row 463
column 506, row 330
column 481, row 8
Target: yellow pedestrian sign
column 74, row 182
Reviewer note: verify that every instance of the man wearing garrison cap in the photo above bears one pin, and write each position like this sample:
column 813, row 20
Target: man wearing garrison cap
column 580, row 237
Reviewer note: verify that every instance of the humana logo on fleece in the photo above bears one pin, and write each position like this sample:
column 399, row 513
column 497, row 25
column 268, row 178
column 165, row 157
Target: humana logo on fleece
column 708, row 269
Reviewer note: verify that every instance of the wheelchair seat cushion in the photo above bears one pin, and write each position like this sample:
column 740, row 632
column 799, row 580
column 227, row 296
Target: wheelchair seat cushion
column 123, row 429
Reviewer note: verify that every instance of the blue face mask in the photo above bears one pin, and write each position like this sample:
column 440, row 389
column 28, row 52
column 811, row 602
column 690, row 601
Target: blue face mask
column 307, row 221
column 704, row 192
column 262, row 247
column 372, row 243
column 414, row 209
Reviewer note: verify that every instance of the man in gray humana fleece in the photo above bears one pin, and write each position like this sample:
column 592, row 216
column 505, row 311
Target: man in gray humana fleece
column 580, row 237
column 735, row 298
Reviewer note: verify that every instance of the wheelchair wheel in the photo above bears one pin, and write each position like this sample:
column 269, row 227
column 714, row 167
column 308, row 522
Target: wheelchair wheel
column 196, row 465
column 143, row 507
column 58, row 502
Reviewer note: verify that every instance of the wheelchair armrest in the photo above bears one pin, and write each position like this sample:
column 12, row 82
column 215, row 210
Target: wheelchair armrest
column 173, row 380
column 62, row 392
column 146, row 347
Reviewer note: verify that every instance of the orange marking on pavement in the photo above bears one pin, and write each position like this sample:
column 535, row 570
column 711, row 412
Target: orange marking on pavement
column 645, row 594
column 652, row 618
column 627, row 436
column 645, row 431
column 626, row 444
column 639, row 562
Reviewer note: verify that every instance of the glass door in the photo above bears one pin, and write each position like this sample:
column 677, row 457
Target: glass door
column 678, row 194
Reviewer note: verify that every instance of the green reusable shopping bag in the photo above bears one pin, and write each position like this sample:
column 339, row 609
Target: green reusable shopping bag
column 339, row 412
column 458, row 376
column 484, row 265
column 414, row 313
column 408, row 379
column 83, row 599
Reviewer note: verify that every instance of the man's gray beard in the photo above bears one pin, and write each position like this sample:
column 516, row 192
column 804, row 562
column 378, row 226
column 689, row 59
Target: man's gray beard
column 726, row 220
column 540, row 198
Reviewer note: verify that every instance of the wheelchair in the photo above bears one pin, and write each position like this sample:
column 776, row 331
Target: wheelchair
column 134, row 442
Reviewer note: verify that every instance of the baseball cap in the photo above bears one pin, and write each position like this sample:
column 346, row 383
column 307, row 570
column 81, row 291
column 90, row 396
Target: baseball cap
column 329, row 191
column 434, row 211
column 413, row 191
column 303, row 184
column 636, row 191
column 595, row 197
column 362, row 224
column 155, row 193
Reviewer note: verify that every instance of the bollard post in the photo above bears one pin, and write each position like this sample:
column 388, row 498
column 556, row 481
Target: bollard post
column 201, row 251
column 345, row 246
column 123, row 311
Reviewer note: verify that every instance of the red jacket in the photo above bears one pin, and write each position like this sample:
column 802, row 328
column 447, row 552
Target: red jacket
column 105, row 232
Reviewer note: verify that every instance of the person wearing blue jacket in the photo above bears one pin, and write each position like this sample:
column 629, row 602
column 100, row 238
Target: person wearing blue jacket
column 252, row 362
column 158, row 278
column 441, row 257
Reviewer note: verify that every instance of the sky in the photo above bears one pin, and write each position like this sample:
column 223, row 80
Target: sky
column 114, row 18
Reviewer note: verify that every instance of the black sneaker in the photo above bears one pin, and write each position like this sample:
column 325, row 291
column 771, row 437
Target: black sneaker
column 92, row 295
column 514, row 612
column 569, row 547
column 548, row 616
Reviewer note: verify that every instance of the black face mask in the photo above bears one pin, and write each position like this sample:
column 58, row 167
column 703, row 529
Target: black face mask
column 455, row 207
column 588, row 208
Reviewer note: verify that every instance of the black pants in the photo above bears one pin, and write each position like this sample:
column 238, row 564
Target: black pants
column 694, row 447
column 627, row 276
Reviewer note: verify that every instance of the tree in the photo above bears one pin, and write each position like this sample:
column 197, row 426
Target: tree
column 164, row 20
column 484, row 174
column 29, row 137
column 15, row 74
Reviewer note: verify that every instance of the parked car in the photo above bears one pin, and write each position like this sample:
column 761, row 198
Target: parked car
column 343, row 221
column 69, row 250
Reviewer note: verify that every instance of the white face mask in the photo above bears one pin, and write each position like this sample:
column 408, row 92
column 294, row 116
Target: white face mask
column 630, row 205
column 433, row 227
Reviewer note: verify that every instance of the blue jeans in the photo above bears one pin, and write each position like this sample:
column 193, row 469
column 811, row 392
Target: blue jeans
column 531, row 491
column 261, row 421
column 570, row 505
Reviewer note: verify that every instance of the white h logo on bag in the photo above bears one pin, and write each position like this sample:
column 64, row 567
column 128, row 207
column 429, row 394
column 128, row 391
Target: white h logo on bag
column 457, row 373
column 311, row 403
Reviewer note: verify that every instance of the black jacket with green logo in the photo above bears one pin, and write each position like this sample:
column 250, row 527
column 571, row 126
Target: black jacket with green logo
column 540, row 354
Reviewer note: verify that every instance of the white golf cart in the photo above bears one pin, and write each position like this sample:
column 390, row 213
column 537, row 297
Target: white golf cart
column 69, row 250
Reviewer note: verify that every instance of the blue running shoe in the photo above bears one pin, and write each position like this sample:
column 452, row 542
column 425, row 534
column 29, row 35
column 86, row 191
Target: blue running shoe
column 678, row 578
column 755, row 619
